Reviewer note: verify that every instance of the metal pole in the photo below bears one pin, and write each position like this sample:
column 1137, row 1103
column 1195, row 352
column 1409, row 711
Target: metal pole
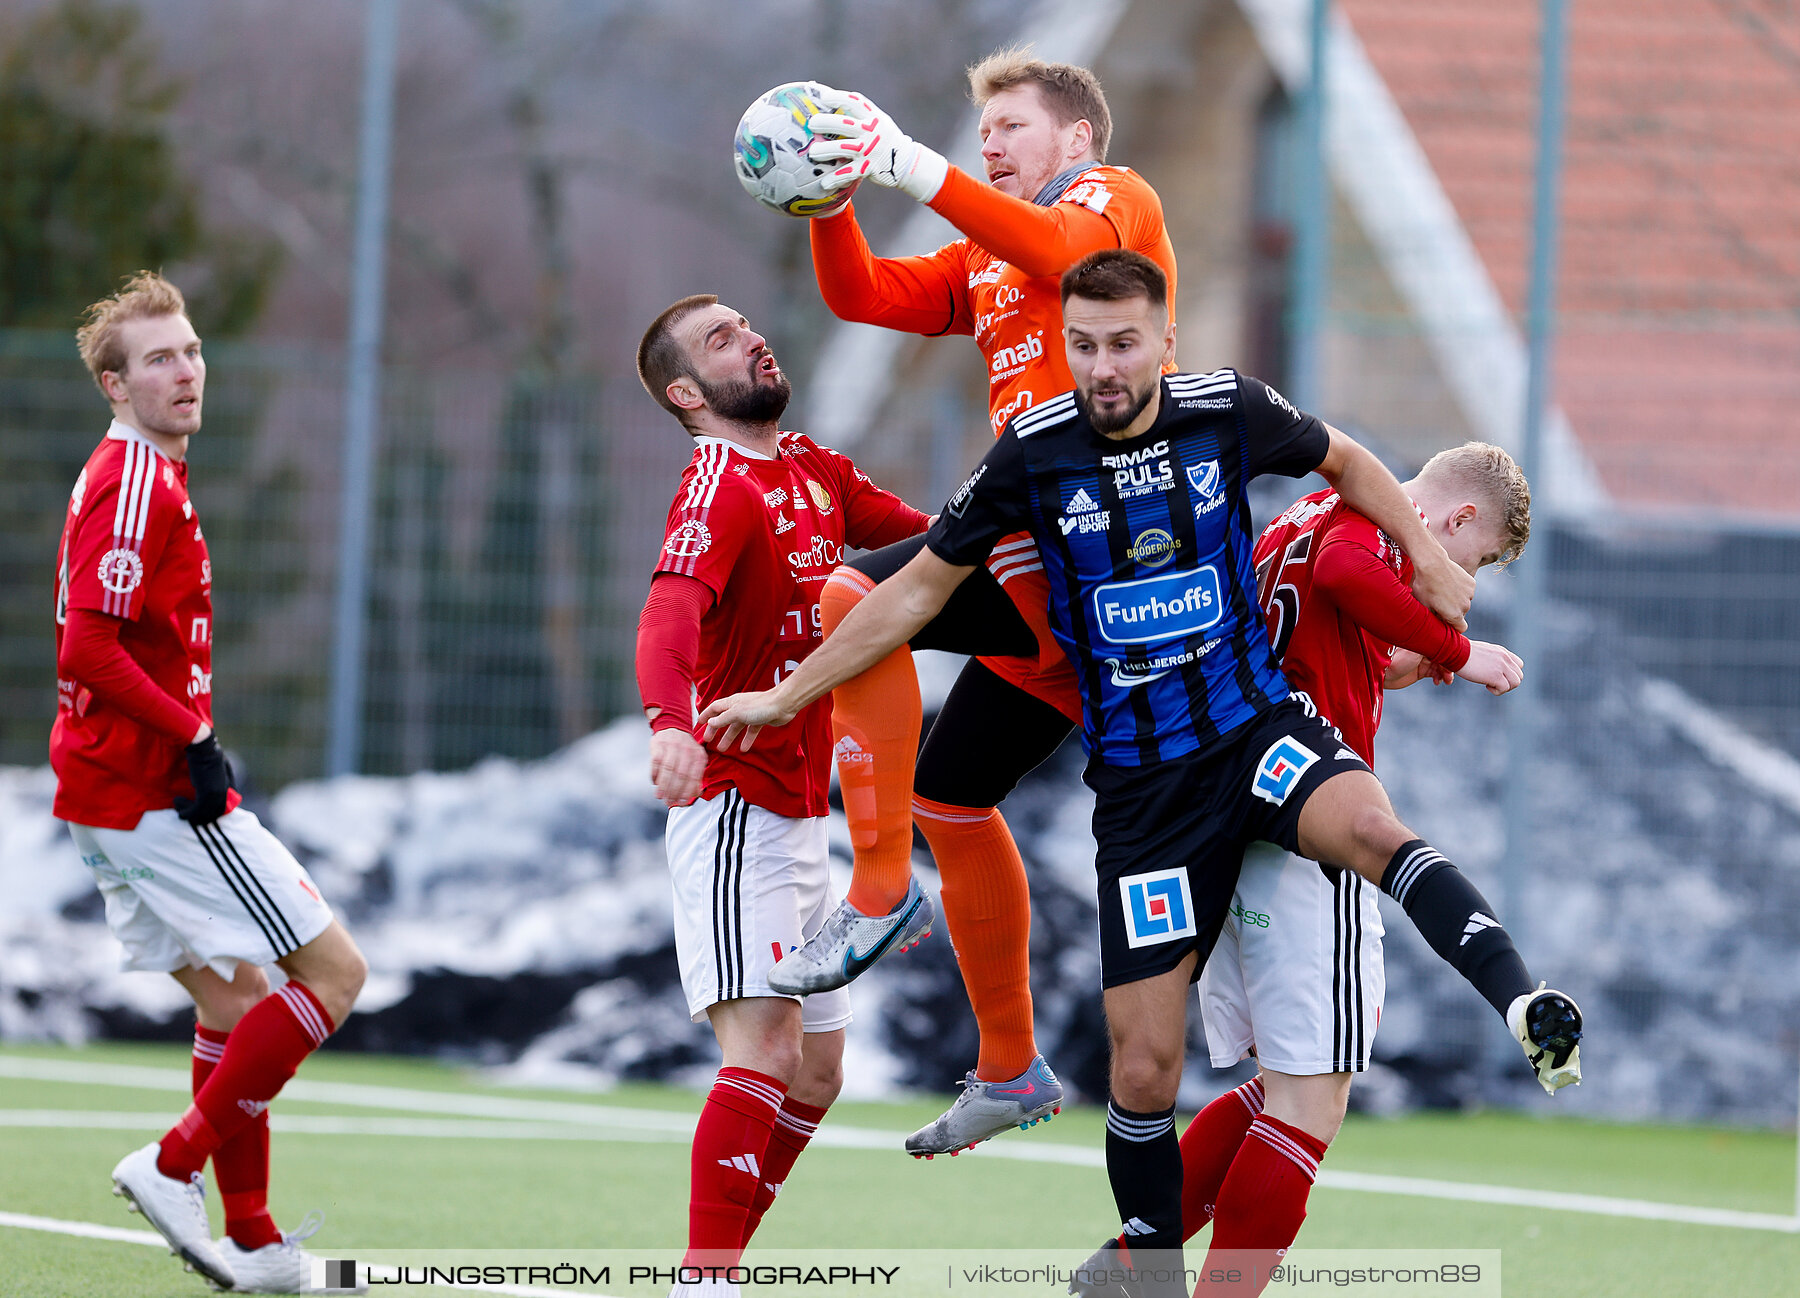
column 1312, row 234
column 1533, row 570
column 362, row 389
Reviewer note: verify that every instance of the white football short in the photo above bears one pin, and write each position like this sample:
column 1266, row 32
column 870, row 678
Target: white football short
column 181, row 896
column 1297, row 972
column 749, row 887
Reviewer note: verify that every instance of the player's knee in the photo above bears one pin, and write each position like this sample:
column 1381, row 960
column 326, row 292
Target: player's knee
column 225, row 1003
column 1376, row 834
column 821, row 1076
column 336, row 976
column 1146, row 1076
column 250, row 986
column 843, row 591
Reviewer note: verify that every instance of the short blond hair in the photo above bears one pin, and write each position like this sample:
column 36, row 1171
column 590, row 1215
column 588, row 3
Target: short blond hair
column 144, row 296
column 1496, row 482
column 1072, row 94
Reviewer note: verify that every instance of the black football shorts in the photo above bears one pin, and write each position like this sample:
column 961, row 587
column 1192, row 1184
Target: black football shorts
column 1172, row 834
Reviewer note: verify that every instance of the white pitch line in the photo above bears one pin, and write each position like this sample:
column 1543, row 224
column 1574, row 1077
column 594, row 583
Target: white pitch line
column 664, row 1125
column 119, row 1235
column 85, row 1229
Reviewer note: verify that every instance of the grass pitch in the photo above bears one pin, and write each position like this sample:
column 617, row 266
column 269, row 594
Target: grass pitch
column 443, row 1190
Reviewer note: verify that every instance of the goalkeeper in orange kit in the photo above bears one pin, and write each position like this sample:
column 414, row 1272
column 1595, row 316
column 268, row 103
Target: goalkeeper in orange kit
column 1049, row 199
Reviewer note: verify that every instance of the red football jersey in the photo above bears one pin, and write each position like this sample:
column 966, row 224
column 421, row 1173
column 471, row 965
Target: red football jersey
column 131, row 548
column 1329, row 635
column 764, row 535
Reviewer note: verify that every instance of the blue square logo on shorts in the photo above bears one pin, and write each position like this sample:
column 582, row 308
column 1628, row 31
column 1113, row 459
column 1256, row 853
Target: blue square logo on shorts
column 1158, row 907
column 1281, row 768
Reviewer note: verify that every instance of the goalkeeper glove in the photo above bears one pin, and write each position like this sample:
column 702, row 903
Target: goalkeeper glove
column 872, row 146
column 210, row 771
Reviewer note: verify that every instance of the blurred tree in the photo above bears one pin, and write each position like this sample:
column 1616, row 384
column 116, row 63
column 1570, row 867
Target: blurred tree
column 90, row 187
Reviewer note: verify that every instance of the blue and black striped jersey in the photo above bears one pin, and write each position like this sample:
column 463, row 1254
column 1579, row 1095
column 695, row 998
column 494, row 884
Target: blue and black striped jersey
column 1147, row 544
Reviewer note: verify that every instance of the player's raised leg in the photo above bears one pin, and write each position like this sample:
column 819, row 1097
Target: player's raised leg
column 241, row 1164
column 1349, row 821
column 267, row 1046
column 962, row 778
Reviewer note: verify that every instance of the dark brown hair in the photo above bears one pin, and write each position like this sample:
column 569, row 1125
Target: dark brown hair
column 661, row 359
column 1116, row 275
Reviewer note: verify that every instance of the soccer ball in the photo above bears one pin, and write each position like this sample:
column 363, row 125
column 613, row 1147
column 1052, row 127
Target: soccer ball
column 771, row 151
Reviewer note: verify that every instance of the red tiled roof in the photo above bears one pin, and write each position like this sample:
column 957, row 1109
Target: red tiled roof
column 1678, row 357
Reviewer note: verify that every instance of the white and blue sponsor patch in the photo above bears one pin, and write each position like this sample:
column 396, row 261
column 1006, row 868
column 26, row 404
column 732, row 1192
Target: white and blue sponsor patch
column 1158, row 907
column 1281, row 768
column 1153, row 609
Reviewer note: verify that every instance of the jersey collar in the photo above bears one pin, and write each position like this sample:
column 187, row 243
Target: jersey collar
column 123, row 432
column 1058, row 185
column 738, row 447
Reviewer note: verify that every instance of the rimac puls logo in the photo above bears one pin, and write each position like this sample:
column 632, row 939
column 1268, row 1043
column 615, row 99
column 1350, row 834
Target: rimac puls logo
column 1158, row 907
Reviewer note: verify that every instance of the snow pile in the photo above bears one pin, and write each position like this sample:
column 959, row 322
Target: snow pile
column 518, row 914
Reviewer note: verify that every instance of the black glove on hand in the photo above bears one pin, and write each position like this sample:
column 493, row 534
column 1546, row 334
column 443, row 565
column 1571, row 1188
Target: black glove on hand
column 212, row 778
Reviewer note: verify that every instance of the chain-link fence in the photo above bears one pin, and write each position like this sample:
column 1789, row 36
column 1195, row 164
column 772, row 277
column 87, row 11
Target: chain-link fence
column 515, row 525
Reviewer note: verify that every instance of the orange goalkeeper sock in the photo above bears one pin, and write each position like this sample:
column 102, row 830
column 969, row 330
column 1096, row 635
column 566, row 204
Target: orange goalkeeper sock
column 875, row 722
column 987, row 906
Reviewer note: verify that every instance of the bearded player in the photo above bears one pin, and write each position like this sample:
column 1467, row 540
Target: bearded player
column 760, row 520
column 1297, row 979
column 195, row 887
column 1049, row 199
column 1197, row 746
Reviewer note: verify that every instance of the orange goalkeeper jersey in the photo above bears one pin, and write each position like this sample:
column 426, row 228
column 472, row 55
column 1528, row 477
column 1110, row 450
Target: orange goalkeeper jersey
column 1000, row 282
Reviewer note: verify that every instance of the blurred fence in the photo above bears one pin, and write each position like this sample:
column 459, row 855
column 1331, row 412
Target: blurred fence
column 514, row 528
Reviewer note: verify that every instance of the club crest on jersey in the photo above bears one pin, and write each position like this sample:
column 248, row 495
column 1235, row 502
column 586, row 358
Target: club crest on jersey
column 692, row 539
column 1205, row 479
column 820, row 496
column 1280, row 769
column 121, row 571
column 1158, row 907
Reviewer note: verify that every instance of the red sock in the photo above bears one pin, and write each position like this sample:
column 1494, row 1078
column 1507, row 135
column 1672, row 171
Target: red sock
column 794, row 1127
column 261, row 1053
column 1263, row 1201
column 1208, row 1147
column 731, row 1140
column 241, row 1164
column 987, row 906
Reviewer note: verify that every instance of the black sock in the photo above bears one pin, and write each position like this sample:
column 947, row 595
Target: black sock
column 1457, row 921
column 1143, row 1162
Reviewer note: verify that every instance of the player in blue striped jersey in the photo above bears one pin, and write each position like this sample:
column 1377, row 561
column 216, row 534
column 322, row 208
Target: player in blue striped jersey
column 1134, row 487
